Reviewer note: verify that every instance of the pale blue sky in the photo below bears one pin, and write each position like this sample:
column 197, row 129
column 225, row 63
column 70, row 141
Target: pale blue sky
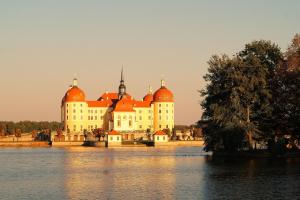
column 44, row 43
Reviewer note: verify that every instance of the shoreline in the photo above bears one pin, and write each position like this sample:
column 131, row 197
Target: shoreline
column 195, row 143
column 256, row 154
column 24, row 144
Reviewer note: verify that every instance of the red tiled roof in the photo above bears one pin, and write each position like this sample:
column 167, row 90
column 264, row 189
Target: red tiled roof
column 109, row 95
column 112, row 96
column 124, row 105
column 160, row 132
column 142, row 104
column 113, row 132
column 102, row 103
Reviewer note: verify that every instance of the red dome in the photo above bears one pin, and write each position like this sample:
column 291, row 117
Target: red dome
column 74, row 94
column 163, row 95
column 148, row 97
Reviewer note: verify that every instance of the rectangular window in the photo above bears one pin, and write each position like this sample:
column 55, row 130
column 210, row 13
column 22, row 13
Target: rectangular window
column 89, row 118
column 74, row 111
column 118, row 138
column 141, row 118
column 95, row 117
column 130, row 123
column 81, row 128
column 140, row 111
column 119, row 123
column 141, row 126
column 74, row 117
column 159, row 111
column 74, row 128
column 92, row 118
column 111, row 138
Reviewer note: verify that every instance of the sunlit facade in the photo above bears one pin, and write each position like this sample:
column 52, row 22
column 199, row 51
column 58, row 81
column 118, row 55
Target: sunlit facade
column 118, row 110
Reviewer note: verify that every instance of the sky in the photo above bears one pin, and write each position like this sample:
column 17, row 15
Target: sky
column 45, row 44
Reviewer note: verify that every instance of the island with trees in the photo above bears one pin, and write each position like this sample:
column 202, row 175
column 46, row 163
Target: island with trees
column 251, row 101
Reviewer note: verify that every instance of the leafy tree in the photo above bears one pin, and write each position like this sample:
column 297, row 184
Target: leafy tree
column 222, row 104
column 286, row 115
column 238, row 97
column 9, row 128
column 262, row 59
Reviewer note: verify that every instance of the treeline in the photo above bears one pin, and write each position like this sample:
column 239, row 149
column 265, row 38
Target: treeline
column 11, row 128
column 253, row 98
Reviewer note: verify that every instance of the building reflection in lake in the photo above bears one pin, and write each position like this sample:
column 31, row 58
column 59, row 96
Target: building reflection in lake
column 120, row 173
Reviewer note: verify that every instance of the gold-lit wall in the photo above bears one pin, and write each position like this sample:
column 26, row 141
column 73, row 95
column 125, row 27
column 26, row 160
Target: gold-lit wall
column 78, row 116
column 144, row 118
column 163, row 115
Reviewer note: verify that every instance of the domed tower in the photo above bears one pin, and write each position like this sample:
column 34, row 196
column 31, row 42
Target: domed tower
column 163, row 101
column 149, row 97
column 73, row 109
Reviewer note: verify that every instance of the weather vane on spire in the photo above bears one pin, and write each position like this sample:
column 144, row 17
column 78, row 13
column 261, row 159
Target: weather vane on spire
column 163, row 82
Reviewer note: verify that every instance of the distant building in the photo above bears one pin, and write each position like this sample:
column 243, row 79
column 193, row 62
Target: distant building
column 117, row 110
column 160, row 138
column 114, row 138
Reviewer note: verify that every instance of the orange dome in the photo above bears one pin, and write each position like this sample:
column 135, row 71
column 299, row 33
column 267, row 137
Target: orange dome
column 163, row 95
column 74, row 94
column 148, row 97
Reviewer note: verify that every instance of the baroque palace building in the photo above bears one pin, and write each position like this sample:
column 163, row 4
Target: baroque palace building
column 117, row 111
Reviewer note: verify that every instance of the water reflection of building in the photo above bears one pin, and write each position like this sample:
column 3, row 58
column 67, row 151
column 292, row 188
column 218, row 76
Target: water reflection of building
column 119, row 174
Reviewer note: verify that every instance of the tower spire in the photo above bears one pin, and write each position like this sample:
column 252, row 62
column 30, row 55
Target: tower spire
column 122, row 75
column 122, row 87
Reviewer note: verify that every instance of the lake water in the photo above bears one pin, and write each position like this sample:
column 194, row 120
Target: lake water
column 141, row 173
